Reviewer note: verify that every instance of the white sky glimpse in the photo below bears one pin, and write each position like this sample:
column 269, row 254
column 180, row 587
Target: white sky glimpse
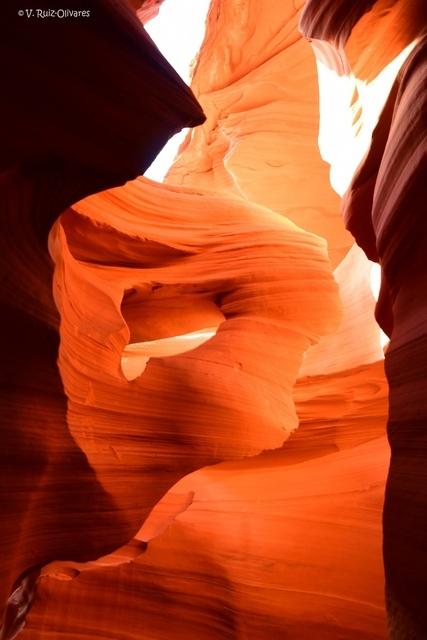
column 178, row 32
column 375, row 288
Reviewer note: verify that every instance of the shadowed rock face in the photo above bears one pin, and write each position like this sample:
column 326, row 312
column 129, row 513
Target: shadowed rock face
column 384, row 208
column 184, row 491
column 81, row 112
column 333, row 20
column 67, row 102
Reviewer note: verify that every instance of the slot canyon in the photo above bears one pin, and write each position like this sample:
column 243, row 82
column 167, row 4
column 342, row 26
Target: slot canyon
column 214, row 384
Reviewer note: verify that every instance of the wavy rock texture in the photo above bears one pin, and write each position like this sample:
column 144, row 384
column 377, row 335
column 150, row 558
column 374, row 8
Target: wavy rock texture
column 384, row 208
column 82, row 138
column 224, row 399
column 235, row 567
column 284, row 543
column 257, row 86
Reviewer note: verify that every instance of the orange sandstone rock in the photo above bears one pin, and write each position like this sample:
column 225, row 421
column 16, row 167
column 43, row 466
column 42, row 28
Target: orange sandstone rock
column 236, row 246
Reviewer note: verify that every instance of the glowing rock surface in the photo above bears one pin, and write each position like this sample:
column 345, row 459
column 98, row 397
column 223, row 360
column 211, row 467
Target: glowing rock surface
column 202, row 451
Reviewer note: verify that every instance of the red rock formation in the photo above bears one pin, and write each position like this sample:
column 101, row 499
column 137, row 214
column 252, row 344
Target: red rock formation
column 224, row 399
column 72, row 121
column 233, row 566
column 283, row 544
column 259, row 139
column 384, row 208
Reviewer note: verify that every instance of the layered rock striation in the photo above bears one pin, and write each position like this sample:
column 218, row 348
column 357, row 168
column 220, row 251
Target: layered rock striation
column 384, row 208
column 75, row 119
column 194, row 394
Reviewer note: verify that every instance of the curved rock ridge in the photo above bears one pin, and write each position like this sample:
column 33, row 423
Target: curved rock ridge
column 334, row 20
column 384, row 209
column 132, row 249
column 245, row 244
column 285, row 544
column 258, row 88
column 95, row 109
column 213, row 256
column 74, row 121
column 139, row 251
column 343, row 350
column 241, row 525
column 397, row 181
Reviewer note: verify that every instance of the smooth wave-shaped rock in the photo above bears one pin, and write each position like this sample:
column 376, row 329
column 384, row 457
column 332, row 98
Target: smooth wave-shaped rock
column 157, row 483
column 222, row 400
column 81, row 112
